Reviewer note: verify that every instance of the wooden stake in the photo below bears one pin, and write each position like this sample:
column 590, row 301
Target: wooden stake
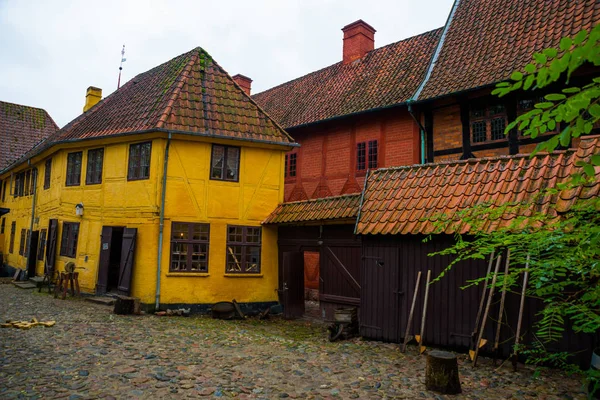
column 501, row 312
column 481, row 302
column 487, row 310
column 422, row 333
column 521, row 307
column 410, row 315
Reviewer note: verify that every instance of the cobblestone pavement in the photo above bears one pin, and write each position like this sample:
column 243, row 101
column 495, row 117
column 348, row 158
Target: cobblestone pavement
column 92, row 353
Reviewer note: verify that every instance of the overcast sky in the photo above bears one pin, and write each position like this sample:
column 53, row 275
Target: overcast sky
column 51, row 51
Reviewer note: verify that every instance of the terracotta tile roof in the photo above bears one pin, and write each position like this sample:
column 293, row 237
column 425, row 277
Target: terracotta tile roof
column 385, row 76
column 488, row 39
column 21, row 128
column 190, row 93
column 405, row 200
column 327, row 208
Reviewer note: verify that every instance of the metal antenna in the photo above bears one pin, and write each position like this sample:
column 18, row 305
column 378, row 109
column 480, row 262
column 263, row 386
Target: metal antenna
column 123, row 59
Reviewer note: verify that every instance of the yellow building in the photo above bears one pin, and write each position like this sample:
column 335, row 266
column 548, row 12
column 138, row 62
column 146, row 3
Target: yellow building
column 157, row 190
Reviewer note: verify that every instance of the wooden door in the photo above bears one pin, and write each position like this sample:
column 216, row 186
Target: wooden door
column 51, row 247
column 340, row 274
column 103, row 263
column 32, row 254
column 126, row 267
column 293, row 284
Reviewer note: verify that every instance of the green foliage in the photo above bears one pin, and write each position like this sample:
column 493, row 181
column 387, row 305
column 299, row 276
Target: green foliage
column 576, row 109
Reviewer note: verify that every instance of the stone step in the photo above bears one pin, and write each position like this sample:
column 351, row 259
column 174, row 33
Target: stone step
column 37, row 280
column 25, row 285
column 104, row 300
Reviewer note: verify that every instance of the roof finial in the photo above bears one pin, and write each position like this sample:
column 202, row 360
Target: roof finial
column 123, row 59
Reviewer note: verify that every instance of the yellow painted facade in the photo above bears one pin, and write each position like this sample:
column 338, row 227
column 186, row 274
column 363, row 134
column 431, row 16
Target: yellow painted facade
column 190, row 197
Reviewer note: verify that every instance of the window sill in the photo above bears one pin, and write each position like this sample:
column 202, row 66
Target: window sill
column 188, row 274
column 241, row 275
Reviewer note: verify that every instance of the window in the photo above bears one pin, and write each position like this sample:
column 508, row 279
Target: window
column 47, row 173
column 27, row 182
column 27, row 241
column 488, row 122
column 2, row 226
column 225, row 163
column 13, row 230
column 4, row 191
column 290, row 165
column 93, row 174
column 22, row 242
column 189, row 247
column 74, row 168
column 139, row 161
column 366, row 155
column 68, row 243
column 42, row 245
column 243, row 249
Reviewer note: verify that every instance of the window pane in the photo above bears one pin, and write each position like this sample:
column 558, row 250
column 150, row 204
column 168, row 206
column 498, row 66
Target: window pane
column 496, row 109
column 179, row 231
column 253, row 235
column 252, row 259
column 235, row 234
column 200, row 232
column 498, row 125
column 179, row 256
column 477, row 111
column 373, row 154
column 233, row 159
column 218, row 155
column 361, row 156
column 234, row 259
column 199, row 258
column 293, row 164
column 479, row 134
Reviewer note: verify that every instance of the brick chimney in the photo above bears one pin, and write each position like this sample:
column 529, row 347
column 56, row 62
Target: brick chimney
column 244, row 82
column 92, row 97
column 359, row 39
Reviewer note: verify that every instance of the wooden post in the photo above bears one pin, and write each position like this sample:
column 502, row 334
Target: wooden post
column 422, row 333
column 441, row 373
column 412, row 310
column 487, row 310
column 521, row 307
column 501, row 312
column 481, row 302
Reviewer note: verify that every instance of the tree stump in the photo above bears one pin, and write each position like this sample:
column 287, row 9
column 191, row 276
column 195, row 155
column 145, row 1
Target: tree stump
column 441, row 374
column 124, row 305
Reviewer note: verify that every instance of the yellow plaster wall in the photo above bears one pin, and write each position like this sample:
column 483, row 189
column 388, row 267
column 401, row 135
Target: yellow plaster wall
column 193, row 197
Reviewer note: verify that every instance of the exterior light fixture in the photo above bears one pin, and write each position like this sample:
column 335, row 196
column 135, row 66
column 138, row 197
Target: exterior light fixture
column 79, row 209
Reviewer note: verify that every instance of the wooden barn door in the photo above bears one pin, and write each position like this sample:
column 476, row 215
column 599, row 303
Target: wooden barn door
column 340, row 274
column 51, row 247
column 381, row 294
column 126, row 268
column 292, row 292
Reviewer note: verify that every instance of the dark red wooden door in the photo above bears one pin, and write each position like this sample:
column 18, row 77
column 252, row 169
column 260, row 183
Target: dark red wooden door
column 293, row 284
column 126, row 268
column 51, row 247
column 105, row 242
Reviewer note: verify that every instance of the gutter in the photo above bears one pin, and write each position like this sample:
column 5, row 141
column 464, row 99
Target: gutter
column 438, row 50
column 161, row 225
column 34, row 177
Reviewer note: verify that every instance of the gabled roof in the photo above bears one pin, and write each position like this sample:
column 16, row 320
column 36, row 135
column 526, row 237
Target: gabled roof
column 190, row 93
column 21, row 128
column 323, row 209
column 384, row 77
column 406, row 200
column 489, row 39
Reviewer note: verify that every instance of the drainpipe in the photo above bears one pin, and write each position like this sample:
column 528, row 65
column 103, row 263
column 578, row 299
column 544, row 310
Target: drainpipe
column 421, row 131
column 162, row 222
column 34, row 177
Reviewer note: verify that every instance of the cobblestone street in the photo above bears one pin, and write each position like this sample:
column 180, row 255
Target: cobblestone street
column 92, row 353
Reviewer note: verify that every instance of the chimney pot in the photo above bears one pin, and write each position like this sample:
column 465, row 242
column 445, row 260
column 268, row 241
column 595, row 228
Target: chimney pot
column 359, row 39
column 244, row 82
column 92, row 97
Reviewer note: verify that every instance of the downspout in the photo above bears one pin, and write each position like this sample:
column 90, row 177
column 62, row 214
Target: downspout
column 34, row 177
column 421, row 130
column 161, row 225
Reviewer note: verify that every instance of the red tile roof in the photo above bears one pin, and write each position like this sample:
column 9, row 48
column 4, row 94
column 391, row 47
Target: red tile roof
column 488, row 39
column 406, row 200
column 384, row 77
column 327, row 208
column 190, row 93
column 21, row 128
